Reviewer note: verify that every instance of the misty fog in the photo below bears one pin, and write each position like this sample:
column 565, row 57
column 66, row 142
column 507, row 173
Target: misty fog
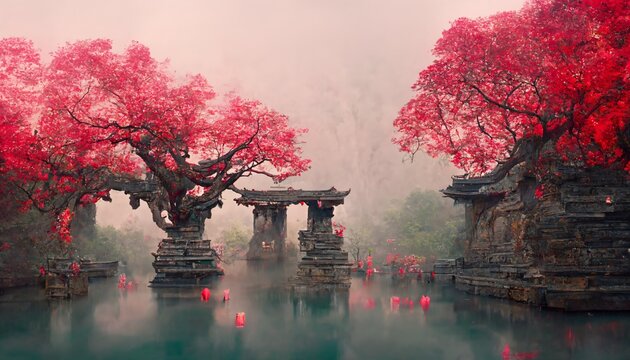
column 342, row 69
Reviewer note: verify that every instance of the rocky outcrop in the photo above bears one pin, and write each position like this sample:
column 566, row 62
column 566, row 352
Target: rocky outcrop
column 567, row 249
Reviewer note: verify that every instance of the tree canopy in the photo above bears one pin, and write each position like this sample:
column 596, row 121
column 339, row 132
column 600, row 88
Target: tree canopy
column 549, row 80
column 90, row 113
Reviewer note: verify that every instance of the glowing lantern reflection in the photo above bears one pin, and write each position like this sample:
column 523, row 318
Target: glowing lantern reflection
column 505, row 355
column 394, row 303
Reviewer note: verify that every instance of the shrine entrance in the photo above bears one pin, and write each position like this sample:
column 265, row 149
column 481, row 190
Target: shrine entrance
column 325, row 265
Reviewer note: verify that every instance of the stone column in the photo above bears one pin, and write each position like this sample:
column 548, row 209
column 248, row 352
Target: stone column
column 270, row 227
column 325, row 265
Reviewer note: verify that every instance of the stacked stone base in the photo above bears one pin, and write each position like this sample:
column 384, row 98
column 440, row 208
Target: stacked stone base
column 325, row 265
column 184, row 259
column 444, row 270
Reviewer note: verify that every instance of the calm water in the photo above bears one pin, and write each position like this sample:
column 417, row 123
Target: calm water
column 152, row 324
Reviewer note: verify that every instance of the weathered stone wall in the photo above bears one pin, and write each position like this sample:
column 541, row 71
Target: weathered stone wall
column 569, row 249
column 270, row 226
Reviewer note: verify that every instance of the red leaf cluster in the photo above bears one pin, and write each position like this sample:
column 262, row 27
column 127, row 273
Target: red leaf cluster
column 557, row 71
column 338, row 229
column 90, row 112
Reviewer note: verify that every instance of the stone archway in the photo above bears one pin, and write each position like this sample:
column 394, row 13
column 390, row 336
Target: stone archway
column 325, row 265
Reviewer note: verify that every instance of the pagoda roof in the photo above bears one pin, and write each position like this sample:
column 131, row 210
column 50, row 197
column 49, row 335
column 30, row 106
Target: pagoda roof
column 290, row 196
column 469, row 188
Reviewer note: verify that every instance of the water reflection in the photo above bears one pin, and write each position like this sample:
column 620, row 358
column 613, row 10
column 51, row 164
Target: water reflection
column 126, row 314
column 147, row 323
column 60, row 322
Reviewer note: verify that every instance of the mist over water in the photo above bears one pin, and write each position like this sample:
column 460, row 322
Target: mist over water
column 342, row 69
column 362, row 324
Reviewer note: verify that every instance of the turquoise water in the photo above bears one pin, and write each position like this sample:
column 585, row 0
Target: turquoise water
column 166, row 324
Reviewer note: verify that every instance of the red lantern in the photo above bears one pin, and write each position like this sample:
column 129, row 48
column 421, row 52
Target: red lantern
column 239, row 322
column 205, row 294
column 425, row 302
column 226, row 294
column 505, row 355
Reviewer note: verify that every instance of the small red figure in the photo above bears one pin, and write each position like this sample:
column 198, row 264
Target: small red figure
column 42, row 271
column 432, row 275
column 608, row 200
column 226, row 294
column 369, row 272
column 239, row 322
column 205, row 294
column 425, row 302
column 401, row 271
column 360, row 264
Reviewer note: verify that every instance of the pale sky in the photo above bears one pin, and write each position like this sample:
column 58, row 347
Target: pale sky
column 342, row 68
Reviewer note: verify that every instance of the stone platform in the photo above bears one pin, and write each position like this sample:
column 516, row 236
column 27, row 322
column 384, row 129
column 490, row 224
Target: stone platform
column 184, row 259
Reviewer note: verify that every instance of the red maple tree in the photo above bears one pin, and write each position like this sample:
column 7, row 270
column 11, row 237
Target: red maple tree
column 548, row 81
column 53, row 167
column 91, row 115
column 192, row 145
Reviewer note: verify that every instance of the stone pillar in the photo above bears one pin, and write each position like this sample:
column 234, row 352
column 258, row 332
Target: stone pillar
column 270, row 228
column 325, row 265
column 184, row 259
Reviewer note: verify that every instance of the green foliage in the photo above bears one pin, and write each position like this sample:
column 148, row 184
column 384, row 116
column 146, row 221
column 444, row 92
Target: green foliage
column 424, row 224
column 235, row 240
column 128, row 245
